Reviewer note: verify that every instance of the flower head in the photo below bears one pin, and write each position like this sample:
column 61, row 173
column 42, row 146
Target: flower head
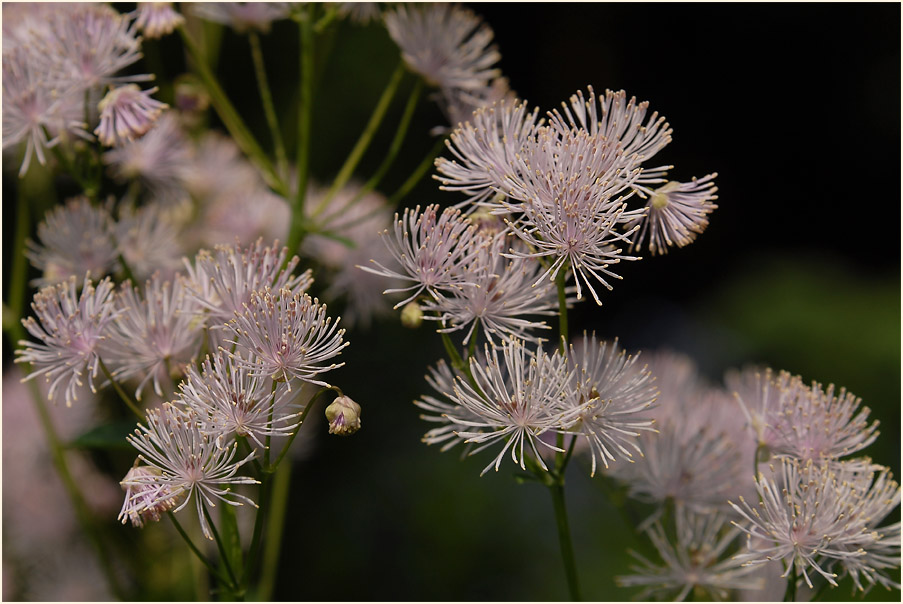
column 126, row 113
column 87, row 46
column 515, row 401
column 157, row 19
column 75, row 239
column 448, row 45
column 224, row 281
column 156, row 334
column 149, row 240
column 186, row 462
column 157, row 158
column 500, row 294
column 813, row 516
column 243, row 16
column 431, row 249
column 71, row 330
column 676, row 213
column 485, row 149
column 286, row 335
column 32, row 107
column 805, row 422
column 452, row 417
column 230, row 401
column 145, row 501
column 697, row 563
column 620, row 393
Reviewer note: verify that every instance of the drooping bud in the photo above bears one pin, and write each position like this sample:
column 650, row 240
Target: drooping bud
column 344, row 416
column 411, row 315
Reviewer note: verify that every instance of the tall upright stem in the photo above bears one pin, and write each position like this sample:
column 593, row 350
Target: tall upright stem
column 275, row 524
column 364, row 140
column 305, row 111
column 266, row 98
column 391, row 154
column 564, row 538
column 230, row 117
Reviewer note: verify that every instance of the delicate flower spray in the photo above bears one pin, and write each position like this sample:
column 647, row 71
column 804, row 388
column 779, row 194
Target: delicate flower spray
column 162, row 278
column 550, row 209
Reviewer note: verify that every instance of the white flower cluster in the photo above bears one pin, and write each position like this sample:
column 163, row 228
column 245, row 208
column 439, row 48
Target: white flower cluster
column 246, row 298
column 60, row 66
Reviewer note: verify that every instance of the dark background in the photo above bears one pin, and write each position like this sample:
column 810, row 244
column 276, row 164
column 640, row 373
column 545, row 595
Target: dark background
column 796, row 106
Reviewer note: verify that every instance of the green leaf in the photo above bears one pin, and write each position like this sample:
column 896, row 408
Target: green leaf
column 107, row 436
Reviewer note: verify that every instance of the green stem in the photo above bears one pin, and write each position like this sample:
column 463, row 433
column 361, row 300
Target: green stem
column 391, row 154
column 196, row 551
column 269, row 109
column 560, row 279
column 364, row 141
column 276, row 521
column 305, row 112
column 266, row 447
column 564, row 538
column 223, row 555
column 418, row 172
column 291, row 438
column 790, row 594
column 230, row 117
column 122, row 394
column 266, row 490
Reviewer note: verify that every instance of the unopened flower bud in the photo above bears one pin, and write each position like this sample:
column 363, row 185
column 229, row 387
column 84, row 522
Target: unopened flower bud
column 344, row 416
column 411, row 315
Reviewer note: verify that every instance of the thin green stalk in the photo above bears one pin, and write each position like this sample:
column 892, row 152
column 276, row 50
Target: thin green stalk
column 266, row 490
column 281, row 481
column 364, row 141
column 562, row 308
column 418, row 172
column 266, row 445
column 391, row 154
column 269, row 109
column 291, row 438
column 305, row 112
column 122, row 394
column 790, row 594
column 213, row 570
column 564, row 538
column 230, row 117
column 223, row 555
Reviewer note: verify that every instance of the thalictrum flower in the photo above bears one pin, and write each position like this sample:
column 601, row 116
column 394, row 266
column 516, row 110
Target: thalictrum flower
column 620, row 393
column 157, row 19
column 431, row 249
column 187, row 463
column 75, row 239
column 699, row 562
column 230, row 401
column 156, row 335
column 286, row 335
column 71, row 330
column 126, row 113
column 447, row 44
column 516, row 400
